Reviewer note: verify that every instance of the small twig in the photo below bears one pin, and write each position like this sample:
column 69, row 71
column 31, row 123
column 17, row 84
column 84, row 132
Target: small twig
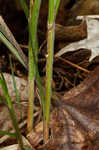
column 24, row 46
column 44, row 42
column 74, row 65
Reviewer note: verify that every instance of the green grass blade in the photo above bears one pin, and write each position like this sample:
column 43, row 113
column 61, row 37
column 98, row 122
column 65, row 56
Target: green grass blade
column 15, row 124
column 16, row 91
column 25, row 8
column 38, row 81
column 8, row 39
column 51, row 14
column 57, row 3
column 49, row 67
column 34, row 43
column 12, row 49
column 33, row 50
column 33, row 22
column 53, row 8
column 31, row 78
column 7, row 133
column 11, row 111
column 5, row 90
column 40, row 88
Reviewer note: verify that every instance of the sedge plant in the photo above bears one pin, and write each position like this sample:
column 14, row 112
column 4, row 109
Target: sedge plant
column 8, row 39
column 32, row 14
column 33, row 49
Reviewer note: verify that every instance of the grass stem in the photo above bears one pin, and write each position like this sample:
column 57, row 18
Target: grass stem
column 49, row 68
column 53, row 9
column 33, row 50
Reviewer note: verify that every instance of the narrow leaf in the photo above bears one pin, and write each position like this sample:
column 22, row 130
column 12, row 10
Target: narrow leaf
column 16, row 91
column 7, row 133
column 8, row 39
column 25, row 8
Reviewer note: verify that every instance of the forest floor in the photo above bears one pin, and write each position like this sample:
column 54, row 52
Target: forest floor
column 74, row 119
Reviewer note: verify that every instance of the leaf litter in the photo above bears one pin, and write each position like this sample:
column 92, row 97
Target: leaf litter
column 65, row 134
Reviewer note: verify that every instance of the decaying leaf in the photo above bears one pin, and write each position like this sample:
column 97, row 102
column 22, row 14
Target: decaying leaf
column 64, row 134
column 71, row 33
column 91, row 42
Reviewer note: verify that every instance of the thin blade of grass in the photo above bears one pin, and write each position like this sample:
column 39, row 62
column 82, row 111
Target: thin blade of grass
column 5, row 90
column 40, row 86
column 16, row 91
column 25, row 8
column 57, row 3
column 12, row 49
column 11, row 110
column 33, row 22
column 15, row 124
column 31, row 78
column 8, row 39
column 7, row 133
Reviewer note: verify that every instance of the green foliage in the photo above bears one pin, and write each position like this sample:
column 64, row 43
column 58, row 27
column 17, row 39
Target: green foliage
column 11, row 110
column 33, row 50
column 25, row 8
column 16, row 91
column 32, row 14
column 8, row 39
column 7, row 133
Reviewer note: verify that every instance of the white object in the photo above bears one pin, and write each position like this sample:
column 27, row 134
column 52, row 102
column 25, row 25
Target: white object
column 92, row 40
